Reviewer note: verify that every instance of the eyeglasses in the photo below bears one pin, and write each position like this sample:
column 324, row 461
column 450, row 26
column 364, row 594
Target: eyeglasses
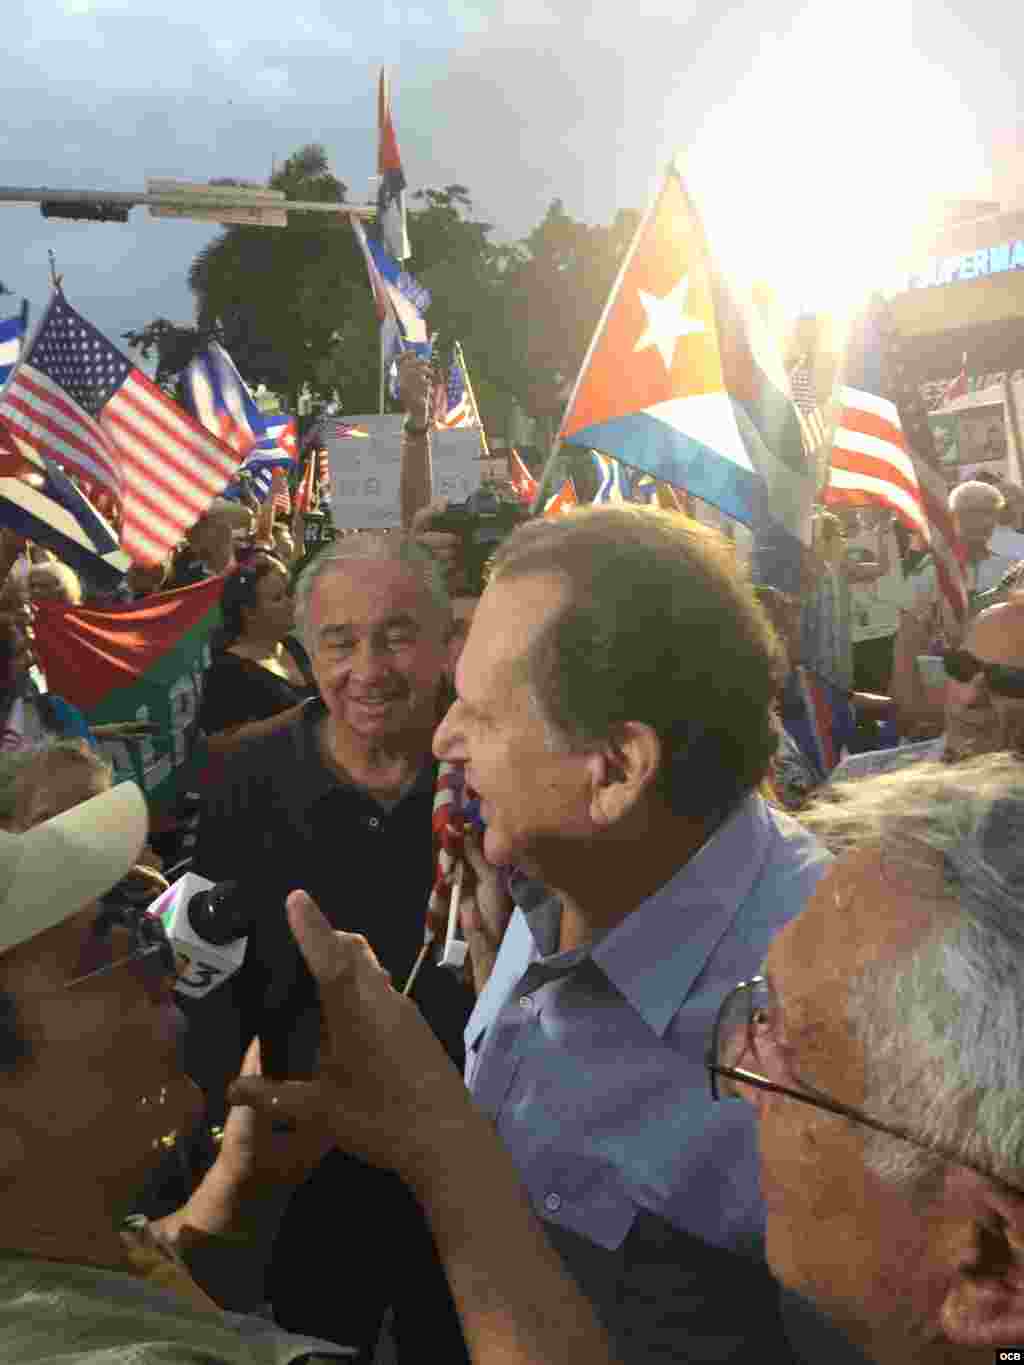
column 152, row 959
column 751, row 1009
column 963, row 667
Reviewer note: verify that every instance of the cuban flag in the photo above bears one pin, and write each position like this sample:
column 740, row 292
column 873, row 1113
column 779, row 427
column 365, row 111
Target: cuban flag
column 280, row 436
column 399, row 298
column 219, row 398
column 39, row 502
column 391, row 193
column 683, row 382
column 12, row 339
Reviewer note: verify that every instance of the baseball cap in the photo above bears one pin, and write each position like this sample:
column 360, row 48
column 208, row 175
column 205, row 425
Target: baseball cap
column 52, row 870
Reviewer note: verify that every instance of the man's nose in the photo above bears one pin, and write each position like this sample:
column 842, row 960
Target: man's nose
column 448, row 740
column 369, row 660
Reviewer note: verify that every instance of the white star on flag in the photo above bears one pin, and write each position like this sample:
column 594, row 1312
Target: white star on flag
column 667, row 321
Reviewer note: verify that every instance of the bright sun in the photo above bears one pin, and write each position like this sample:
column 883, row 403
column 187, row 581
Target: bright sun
column 818, row 175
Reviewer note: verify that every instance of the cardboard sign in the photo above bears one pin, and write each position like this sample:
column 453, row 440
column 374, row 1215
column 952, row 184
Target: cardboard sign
column 455, row 459
column 365, row 455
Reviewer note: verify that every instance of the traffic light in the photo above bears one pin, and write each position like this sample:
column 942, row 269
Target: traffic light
column 102, row 212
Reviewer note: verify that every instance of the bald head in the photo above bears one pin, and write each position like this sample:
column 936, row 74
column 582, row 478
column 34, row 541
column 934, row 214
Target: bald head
column 981, row 714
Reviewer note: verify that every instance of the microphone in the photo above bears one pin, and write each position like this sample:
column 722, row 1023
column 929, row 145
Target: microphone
column 208, row 925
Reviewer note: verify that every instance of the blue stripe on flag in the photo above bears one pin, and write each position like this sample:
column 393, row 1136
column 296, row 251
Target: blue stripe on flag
column 670, row 456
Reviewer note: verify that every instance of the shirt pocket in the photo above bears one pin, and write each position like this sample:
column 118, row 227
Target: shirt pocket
column 474, row 1046
column 583, row 1193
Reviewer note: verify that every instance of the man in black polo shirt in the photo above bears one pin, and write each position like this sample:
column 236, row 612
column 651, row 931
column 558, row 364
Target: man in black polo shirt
column 340, row 804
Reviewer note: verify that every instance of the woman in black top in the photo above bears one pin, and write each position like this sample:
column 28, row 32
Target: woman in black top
column 255, row 686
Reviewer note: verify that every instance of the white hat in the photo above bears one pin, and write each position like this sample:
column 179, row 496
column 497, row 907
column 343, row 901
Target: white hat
column 49, row 872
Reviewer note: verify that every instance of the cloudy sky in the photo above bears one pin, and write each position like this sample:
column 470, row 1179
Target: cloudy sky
column 793, row 117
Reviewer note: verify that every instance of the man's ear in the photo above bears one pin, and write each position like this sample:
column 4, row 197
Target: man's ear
column 984, row 1306
column 622, row 771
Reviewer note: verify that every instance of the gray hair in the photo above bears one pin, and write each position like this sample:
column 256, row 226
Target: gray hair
column 62, row 576
column 975, row 493
column 942, row 1027
column 372, row 546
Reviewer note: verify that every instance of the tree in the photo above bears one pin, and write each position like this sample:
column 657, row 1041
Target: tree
column 291, row 304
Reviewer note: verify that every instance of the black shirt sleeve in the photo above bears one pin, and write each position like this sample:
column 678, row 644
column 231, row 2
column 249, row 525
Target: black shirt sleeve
column 237, row 691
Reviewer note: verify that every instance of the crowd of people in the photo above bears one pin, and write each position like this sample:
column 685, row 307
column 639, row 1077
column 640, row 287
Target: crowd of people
column 735, row 1065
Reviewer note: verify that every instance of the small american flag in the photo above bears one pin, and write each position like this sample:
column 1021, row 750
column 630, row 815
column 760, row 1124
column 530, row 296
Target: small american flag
column 84, row 406
column 805, row 400
column 458, row 405
column 882, row 420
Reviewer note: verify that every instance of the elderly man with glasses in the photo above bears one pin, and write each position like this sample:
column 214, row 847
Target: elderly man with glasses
column 984, row 697
column 881, row 1046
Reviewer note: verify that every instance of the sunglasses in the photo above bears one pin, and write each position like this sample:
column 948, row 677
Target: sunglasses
column 151, row 960
column 962, row 666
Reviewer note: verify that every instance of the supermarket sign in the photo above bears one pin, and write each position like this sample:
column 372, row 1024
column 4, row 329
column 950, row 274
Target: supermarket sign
column 969, row 265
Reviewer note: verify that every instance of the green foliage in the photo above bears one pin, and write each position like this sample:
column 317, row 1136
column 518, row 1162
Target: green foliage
column 293, row 306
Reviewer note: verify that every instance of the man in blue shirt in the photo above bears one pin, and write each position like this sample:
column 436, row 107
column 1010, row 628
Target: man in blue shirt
column 613, row 714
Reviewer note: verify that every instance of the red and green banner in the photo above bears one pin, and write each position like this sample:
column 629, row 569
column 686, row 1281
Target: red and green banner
column 144, row 662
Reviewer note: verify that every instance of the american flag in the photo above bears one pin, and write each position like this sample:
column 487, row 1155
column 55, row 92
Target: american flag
column 324, row 473
column 84, row 406
column 805, row 400
column 881, row 421
column 457, row 410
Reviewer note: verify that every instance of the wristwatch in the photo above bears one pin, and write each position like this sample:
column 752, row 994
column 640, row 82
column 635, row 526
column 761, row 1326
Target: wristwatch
column 411, row 429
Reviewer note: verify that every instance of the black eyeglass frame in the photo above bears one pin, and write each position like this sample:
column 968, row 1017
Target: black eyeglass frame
column 994, row 674
column 817, row 1098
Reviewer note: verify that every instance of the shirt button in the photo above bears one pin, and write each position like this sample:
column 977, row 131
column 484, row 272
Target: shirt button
column 373, row 822
column 525, row 1002
column 552, row 1202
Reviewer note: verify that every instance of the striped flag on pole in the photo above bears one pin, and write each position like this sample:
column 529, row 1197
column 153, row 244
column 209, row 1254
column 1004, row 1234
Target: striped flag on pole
column 12, row 338
column 220, row 399
column 881, row 422
column 86, row 407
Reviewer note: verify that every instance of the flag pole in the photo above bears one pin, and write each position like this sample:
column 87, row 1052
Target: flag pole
column 1015, row 450
column 472, row 397
column 383, row 374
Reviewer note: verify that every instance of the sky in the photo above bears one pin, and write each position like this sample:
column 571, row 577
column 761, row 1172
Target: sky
column 810, row 130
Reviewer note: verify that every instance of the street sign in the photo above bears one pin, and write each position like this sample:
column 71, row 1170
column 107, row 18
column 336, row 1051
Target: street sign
column 227, row 203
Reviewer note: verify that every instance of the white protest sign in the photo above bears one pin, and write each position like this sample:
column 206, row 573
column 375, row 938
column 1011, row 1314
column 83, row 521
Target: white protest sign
column 455, row 459
column 366, row 467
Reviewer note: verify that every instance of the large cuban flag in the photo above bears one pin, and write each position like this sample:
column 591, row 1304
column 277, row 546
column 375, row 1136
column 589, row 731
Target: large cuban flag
column 682, row 381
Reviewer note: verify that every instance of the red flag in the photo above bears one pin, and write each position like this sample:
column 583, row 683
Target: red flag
column 563, row 501
column 391, row 192
column 957, row 388
column 307, row 485
column 522, row 480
